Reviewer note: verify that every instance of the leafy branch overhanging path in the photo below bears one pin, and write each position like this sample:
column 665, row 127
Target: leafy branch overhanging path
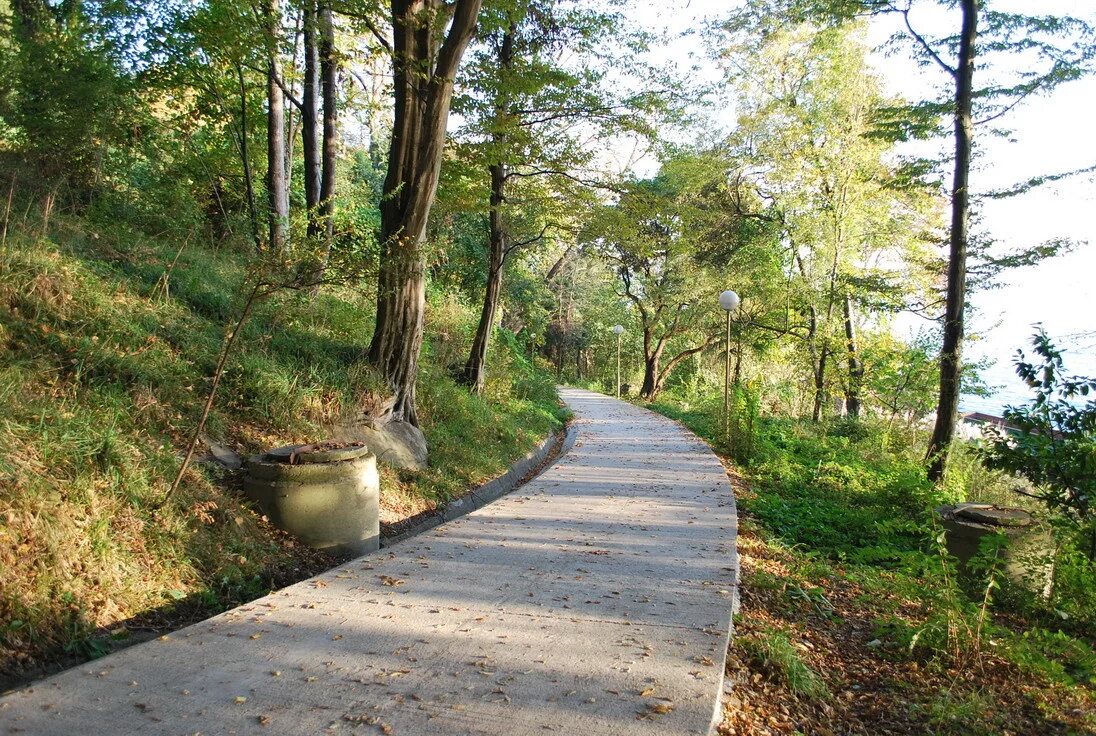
column 596, row 599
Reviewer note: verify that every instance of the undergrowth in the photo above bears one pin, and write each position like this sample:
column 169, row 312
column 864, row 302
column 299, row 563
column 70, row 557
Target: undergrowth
column 850, row 499
column 774, row 653
column 102, row 372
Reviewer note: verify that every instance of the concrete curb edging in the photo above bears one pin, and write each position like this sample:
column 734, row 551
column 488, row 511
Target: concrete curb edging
column 493, row 489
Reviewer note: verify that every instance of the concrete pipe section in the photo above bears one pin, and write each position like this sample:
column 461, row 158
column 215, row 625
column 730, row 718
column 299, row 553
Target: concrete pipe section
column 595, row 599
column 326, row 495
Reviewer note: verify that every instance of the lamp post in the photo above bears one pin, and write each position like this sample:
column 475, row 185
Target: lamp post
column 729, row 302
column 618, row 330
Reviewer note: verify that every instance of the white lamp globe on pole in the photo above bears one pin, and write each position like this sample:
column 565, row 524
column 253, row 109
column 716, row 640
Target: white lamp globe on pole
column 618, row 330
column 728, row 301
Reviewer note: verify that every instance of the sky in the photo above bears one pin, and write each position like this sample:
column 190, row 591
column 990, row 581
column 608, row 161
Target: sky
column 1050, row 134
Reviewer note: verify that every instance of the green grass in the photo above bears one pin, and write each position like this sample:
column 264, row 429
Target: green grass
column 851, row 500
column 961, row 713
column 773, row 652
column 101, row 382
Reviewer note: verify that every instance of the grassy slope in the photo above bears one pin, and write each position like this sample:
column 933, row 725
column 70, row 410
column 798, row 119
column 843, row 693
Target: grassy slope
column 838, row 551
column 101, row 381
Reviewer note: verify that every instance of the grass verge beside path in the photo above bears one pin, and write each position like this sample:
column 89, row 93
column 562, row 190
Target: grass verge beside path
column 849, row 621
column 102, row 376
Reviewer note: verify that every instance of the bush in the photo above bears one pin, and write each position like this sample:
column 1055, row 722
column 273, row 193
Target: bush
column 1054, row 445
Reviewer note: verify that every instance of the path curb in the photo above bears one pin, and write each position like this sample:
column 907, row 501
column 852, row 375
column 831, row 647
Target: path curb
column 479, row 497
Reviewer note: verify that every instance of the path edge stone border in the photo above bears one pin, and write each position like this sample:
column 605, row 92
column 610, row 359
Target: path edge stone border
column 518, row 475
column 726, row 685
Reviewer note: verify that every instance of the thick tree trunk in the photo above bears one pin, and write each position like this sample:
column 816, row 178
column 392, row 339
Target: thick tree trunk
column 651, row 375
column 422, row 73
column 856, row 367
column 277, row 191
column 310, row 117
column 951, row 351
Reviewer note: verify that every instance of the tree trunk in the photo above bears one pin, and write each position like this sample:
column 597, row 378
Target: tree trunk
column 422, row 75
column 824, row 347
column 651, row 383
column 474, row 373
column 951, row 351
column 329, row 150
column 309, row 117
column 660, row 376
column 818, row 364
column 475, row 369
column 738, row 360
column 277, row 191
column 559, row 264
column 819, row 385
column 245, row 161
column 856, row 368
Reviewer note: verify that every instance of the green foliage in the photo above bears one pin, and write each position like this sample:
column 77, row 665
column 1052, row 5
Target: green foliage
column 849, row 499
column 1054, row 445
column 961, row 714
column 69, row 100
column 774, row 653
column 1054, row 655
column 742, row 423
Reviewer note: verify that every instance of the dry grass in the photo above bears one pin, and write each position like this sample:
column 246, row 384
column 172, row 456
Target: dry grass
column 100, row 383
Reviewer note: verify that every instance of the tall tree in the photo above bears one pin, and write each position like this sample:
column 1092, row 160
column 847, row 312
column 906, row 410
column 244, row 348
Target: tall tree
column 310, row 114
column 424, row 63
column 808, row 102
column 65, row 90
column 536, row 94
column 657, row 238
column 329, row 149
column 951, row 351
column 1054, row 50
column 498, row 247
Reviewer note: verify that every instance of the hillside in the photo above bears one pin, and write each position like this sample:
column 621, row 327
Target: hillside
column 102, row 375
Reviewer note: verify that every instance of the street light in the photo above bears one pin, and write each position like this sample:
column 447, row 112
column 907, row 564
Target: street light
column 729, row 302
column 618, row 330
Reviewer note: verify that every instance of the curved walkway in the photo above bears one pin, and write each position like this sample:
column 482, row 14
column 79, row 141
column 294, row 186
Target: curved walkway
column 596, row 599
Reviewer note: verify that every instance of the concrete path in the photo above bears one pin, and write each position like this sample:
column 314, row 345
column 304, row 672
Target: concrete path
column 596, row 599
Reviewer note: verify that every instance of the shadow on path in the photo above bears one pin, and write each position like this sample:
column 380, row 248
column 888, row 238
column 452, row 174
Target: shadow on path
column 594, row 600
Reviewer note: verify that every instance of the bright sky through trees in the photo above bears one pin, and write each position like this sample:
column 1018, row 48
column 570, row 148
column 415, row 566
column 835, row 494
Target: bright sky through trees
column 1050, row 134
